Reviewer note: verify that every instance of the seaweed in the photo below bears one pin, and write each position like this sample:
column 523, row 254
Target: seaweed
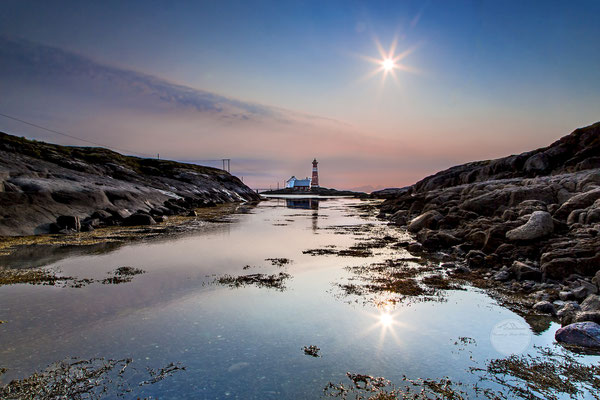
column 157, row 375
column 438, row 281
column 122, row 275
column 40, row 276
column 274, row 281
column 312, row 351
column 73, row 378
column 379, row 388
column 279, row 262
column 543, row 377
column 320, row 252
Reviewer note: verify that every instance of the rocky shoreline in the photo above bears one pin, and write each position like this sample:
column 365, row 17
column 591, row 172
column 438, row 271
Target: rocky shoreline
column 46, row 188
column 526, row 223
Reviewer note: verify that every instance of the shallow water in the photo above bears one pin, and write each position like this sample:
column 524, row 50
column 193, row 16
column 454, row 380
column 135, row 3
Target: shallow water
column 247, row 342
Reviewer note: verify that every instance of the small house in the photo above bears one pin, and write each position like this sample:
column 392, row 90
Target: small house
column 300, row 185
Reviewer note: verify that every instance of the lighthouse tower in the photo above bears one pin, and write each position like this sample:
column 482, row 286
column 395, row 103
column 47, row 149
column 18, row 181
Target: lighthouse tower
column 314, row 183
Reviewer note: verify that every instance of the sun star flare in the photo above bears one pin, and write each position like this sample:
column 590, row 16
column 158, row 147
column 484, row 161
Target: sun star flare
column 390, row 61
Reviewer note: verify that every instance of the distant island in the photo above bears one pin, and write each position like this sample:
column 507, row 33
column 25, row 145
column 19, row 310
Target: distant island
column 320, row 191
column 310, row 186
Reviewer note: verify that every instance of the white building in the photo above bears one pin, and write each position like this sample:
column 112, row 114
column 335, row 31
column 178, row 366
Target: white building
column 298, row 184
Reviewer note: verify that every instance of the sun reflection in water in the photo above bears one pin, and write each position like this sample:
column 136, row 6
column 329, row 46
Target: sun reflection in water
column 386, row 319
column 387, row 322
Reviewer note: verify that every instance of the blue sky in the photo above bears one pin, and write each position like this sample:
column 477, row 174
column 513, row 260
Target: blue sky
column 489, row 78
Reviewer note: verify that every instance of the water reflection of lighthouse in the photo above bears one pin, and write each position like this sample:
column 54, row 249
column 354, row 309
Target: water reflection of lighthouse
column 306, row 204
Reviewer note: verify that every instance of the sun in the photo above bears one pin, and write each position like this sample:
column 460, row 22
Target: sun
column 388, row 64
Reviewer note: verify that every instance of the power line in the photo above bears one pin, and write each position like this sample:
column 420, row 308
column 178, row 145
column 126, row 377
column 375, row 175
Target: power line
column 74, row 137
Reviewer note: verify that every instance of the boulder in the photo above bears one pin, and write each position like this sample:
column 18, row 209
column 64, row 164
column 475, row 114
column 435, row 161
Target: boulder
column 596, row 279
column 537, row 164
column 567, row 312
column 584, row 334
column 93, row 222
column 501, row 276
column 399, row 217
column 544, row 307
column 86, row 227
column 488, row 203
column 540, row 224
column 495, row 237
column 526, row 272
column 580, row 293
column 415, row 248
column 558, row 268
column 54, row 228
column 590, row 288
column 475, row 259
column 101, row 215
column 69, row 222
column 580, row 201
column 592, row 216
column 565, row 295
column 119, row 214
column 428, row 219
column 583, row 316
column 477, row 238
column 574, row 217
column 591, row 303
column 139, row 219
column 436, row 240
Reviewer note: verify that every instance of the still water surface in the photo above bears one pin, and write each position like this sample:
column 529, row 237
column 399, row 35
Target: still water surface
column 247, row 342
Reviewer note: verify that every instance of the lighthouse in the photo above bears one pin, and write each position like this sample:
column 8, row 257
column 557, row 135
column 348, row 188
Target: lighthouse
column 314, row 182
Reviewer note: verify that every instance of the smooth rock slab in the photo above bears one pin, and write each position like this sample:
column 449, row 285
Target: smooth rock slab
column 585, row 334
column 540, row 224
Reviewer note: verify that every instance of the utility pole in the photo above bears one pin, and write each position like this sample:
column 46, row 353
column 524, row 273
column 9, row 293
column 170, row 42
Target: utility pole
column 228, row 162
